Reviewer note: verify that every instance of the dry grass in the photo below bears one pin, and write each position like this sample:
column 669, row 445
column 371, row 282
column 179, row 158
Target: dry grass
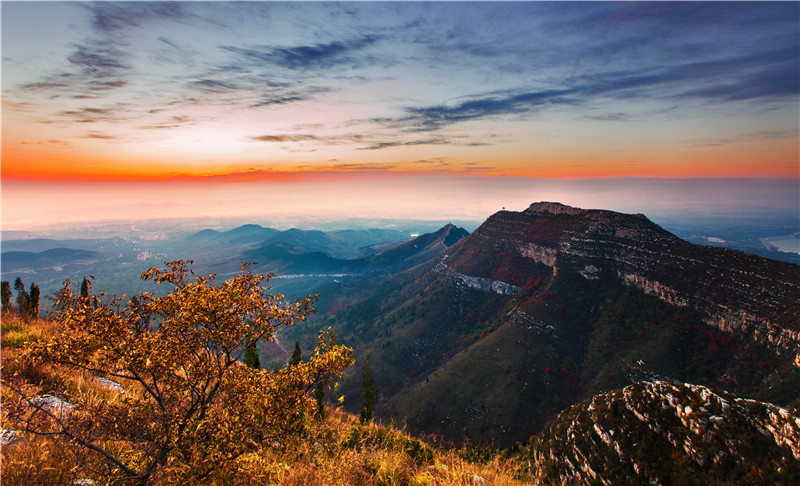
column 337, row 451
column 342, row 451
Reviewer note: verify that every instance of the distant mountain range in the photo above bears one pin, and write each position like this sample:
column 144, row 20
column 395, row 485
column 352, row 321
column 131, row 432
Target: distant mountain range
column 339, row 244
column 307, row 256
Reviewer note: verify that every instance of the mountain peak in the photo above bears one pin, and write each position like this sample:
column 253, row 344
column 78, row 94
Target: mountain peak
column 546, row 207
column 451, row 234
column 553, row 208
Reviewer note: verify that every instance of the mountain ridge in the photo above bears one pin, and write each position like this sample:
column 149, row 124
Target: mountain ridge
column 538, row 309
column 646, row 256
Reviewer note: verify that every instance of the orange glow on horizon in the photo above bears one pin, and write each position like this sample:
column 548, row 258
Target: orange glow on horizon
column 66, row 167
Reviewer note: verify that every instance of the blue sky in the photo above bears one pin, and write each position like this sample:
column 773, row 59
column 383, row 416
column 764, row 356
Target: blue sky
column 264, row 92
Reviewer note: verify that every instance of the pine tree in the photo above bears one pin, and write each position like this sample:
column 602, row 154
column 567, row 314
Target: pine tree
column 319, row 394
column 368, row 393
column 22, row 297
column 297, row 355
column 251, row 355
column 33, row 301
column 85, row 286
column 5, row 292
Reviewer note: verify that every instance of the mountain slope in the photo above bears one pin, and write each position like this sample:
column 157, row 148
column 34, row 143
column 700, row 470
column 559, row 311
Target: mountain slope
column 539, row 309
column 291, row 252
column 285, row 259
column 420, row 249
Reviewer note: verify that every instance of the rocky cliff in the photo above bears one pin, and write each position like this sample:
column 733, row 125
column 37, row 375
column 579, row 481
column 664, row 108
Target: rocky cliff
column 670, row 433
column 736, row 292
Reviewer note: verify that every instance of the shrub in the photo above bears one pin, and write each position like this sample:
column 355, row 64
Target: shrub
column 190, row 408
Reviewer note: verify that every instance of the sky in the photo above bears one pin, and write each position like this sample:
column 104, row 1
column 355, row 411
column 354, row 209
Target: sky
column 397, row 109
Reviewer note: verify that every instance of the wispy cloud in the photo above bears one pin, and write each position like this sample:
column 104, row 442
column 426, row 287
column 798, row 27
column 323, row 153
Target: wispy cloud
column 768, row 75
column 49, row 142
column 305, row 57
column 347, row 139
column 286, row 138
column 427, row 141
column 113, row 17
column 214, row 86
column 772, row 134
column 171, row 122
column 99, row 135
column 305, row 137
column 113, row 113
column 97, row 69
column 483, row 106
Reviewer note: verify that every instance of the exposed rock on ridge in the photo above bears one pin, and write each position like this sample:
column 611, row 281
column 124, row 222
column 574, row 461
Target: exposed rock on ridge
column 667, row 433
column 737, row 292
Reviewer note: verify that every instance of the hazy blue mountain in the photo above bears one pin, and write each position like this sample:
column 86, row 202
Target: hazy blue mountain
column 17, row 260
column 247, row 233
column 338, row 244
column 38, row 245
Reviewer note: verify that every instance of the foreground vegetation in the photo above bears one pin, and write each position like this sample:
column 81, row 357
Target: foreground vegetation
column 154, row 392
column 334, row 451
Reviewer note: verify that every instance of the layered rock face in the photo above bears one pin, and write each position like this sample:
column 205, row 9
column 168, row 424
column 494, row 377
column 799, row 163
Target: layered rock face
column 735, row 291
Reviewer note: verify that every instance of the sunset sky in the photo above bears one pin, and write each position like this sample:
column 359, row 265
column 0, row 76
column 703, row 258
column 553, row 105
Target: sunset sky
column 378, row 108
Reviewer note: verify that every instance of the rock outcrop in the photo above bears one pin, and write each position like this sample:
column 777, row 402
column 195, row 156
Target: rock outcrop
column 735, row 291
column 666, row 433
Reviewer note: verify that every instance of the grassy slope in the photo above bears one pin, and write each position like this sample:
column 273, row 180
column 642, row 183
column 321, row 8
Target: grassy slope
column 336, row 451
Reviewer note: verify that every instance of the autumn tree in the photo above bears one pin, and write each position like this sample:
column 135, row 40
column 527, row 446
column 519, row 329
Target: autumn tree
column 368, row 393
column 190, row 409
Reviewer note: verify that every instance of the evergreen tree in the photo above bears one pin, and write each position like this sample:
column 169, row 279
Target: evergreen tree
column 5, row 292
column 33, row 301
column 319, row 394
column 368, row 393
column 22, row 297
column 251, row 355
column 297, row 355
column 85, row 286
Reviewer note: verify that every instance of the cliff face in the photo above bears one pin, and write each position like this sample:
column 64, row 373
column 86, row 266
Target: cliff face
column 735, row 291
